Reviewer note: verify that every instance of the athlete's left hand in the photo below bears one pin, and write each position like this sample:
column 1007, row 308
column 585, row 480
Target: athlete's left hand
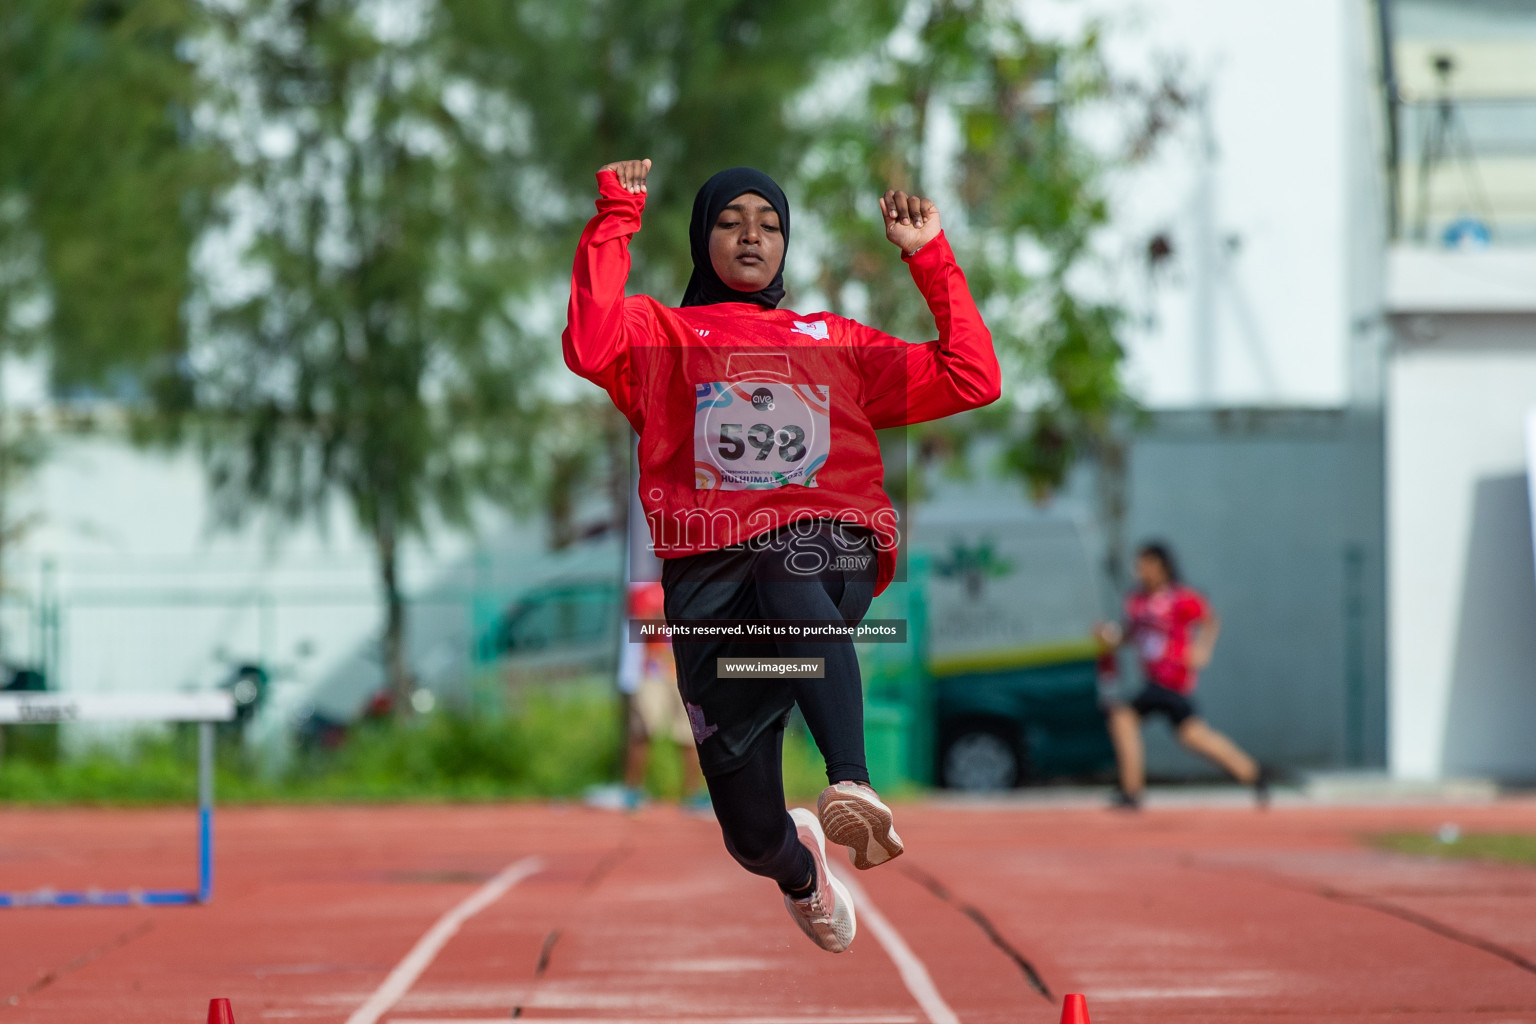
column 910, row 221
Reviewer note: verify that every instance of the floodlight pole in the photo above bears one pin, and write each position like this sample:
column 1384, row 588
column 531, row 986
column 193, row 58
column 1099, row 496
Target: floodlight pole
column 1392, row 99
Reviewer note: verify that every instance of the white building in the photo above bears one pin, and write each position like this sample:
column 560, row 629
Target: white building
column 1461, row 385
column 1256, row 347
column 1333, row 274
column 122, row 582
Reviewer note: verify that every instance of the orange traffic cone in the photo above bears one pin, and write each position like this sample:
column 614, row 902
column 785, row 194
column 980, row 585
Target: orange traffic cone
column 1074, row 1010
column 220, row 1013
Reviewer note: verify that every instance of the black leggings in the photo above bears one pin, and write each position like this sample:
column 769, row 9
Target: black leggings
column 833, row 706
column 758, row 831
column 743, row 761
column 811, row 571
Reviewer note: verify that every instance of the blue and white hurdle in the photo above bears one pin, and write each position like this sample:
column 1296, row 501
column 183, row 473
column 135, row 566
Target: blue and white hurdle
column 203, row 708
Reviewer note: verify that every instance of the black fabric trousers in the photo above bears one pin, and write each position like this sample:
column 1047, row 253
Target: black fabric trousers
column 819, row 571
column 758, row 831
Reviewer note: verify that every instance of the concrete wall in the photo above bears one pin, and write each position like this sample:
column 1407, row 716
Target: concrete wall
column 1276, row 516
column 1463, row 596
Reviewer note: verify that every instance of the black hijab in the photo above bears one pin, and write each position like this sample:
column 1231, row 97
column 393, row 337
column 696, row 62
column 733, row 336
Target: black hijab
column 705, row 286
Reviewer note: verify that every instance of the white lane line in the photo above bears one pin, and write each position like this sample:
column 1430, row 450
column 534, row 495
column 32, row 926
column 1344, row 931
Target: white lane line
column 911, row 969
column 840, row 1019
column 429, row 945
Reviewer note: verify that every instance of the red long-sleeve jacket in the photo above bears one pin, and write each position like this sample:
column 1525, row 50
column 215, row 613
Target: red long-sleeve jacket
column 751, row 418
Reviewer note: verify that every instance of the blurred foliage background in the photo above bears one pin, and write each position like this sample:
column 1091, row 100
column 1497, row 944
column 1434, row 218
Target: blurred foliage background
column 327, row 242
column 549, row 745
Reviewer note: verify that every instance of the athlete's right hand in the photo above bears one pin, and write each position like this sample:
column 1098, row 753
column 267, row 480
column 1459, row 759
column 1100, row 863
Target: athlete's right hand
column 1108, row 634
column 632, row 173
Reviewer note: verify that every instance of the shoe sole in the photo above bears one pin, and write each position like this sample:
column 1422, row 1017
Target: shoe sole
column 863, row 827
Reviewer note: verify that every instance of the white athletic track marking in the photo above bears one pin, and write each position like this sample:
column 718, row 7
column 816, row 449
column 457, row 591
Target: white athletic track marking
column 840, row 1019
column 429, row 945
column 903, row 1018
column 913, row 974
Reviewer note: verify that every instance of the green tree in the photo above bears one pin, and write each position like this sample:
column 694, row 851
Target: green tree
column 582, row 446
column 696, row 85
column 966, row 101
column 362, row 326
column 102, row 187
column 411, row 177
column 957, row 98
column 102, row 192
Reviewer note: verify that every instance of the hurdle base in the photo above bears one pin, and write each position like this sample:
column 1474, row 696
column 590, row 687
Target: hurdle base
column 101, row 898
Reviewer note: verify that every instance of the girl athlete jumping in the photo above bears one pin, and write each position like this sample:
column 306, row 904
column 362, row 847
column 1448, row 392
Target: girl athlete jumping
column 762, row 483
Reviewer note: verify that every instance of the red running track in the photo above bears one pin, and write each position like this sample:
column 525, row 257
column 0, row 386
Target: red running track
column 1191, row 914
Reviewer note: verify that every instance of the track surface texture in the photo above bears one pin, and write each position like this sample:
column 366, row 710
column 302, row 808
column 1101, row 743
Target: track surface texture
column 1190, row 913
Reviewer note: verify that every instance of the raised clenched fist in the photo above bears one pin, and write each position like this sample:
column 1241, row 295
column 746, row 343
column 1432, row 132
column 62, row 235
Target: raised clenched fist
column 632, row 173
column 910, row 221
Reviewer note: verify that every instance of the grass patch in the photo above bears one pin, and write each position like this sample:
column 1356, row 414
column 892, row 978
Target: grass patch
column 1504, row 848
column 552, row 747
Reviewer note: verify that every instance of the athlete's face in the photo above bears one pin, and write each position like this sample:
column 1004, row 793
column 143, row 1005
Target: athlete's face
column 1150, row 573
column 746, row 246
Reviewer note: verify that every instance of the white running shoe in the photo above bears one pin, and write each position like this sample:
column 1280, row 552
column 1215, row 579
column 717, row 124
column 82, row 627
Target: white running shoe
column 826, row 915
column 855, row 817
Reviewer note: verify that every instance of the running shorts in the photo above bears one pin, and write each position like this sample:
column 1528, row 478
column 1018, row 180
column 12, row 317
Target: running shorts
column 1160, row 700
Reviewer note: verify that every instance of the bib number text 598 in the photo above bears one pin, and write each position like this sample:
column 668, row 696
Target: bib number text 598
column 789, row 440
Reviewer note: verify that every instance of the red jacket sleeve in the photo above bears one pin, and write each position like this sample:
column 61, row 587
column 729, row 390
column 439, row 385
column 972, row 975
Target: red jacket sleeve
column 600, row 325
column 1192, row 607
column 911, row 383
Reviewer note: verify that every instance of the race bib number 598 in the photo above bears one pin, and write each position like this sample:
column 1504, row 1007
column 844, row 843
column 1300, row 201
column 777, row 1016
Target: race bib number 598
column 758, row 435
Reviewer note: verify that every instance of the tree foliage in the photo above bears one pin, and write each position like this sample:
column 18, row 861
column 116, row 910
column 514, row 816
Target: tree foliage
column 696, row 85
column 965, row 101
column 957, row 98
column 372, row 342
column 102, row 192
column 102, row 188
column 400, row 184
column 412, row 177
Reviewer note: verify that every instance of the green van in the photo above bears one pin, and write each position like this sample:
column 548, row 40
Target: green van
column 998, row 685
column 562, row 632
